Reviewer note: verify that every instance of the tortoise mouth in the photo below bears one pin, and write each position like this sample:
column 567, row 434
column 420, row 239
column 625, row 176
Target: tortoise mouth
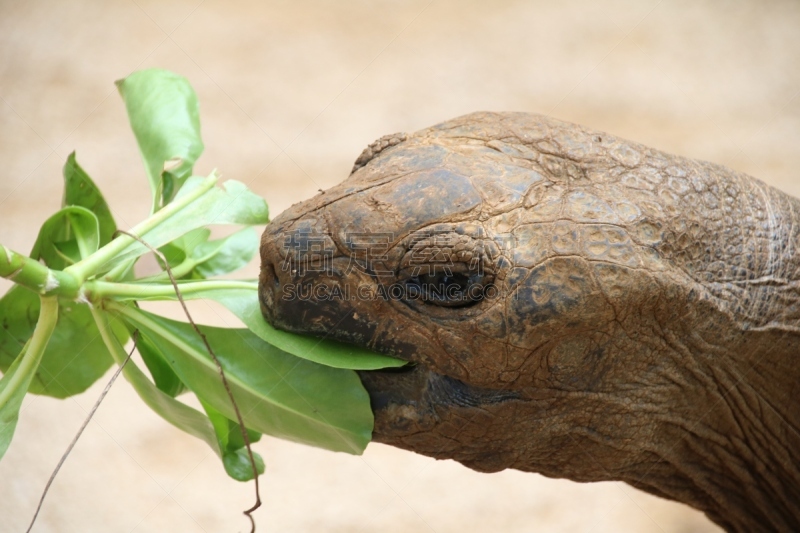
column 398, row 401
column 403, row 385
column 412, row 399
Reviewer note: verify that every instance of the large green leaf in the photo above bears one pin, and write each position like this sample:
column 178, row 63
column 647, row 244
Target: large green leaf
column 80, row 190
column 164, row 115
column 277, row 393
column 75, row 357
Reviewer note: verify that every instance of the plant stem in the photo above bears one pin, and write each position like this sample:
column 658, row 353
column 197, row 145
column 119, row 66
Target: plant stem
column 91, row 265
column 32, row 356
column 32, row 274
column 95, row 290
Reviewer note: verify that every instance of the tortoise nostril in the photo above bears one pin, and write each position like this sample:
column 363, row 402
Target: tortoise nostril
column 271, row 275
column 269, row 286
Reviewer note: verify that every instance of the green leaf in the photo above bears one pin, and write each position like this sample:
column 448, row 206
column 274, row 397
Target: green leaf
column 9, row 411
column 178, row 250
column 66, row 237
column 235, row 457
column 164, row 377
column 277, row 393
column 17, row 379
column 229, row 433
column 80, row 190
column 193, row 256
column 164, row 115
column 19, row 310
column 232, row 204
column 75, row 357
column 237, row 464
column 222, row 256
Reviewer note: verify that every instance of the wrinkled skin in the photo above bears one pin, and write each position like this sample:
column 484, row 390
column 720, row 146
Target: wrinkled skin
column 645, row 326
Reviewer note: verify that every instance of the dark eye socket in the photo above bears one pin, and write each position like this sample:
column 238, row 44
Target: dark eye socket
column 453, row 289
column 448, row 267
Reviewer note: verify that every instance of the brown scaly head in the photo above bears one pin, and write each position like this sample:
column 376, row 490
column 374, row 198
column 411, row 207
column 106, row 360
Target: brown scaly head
column 575, row 304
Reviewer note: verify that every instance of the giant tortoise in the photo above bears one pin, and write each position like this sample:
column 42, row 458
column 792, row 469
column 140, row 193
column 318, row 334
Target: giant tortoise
column 573, row 304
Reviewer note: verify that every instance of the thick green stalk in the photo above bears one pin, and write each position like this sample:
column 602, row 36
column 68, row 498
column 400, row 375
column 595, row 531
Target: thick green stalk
column 32, row 356
column 96, row 290
column 87, row 267
column 35, row 276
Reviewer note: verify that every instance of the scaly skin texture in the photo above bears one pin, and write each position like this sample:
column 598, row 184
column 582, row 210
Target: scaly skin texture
column 645, row 325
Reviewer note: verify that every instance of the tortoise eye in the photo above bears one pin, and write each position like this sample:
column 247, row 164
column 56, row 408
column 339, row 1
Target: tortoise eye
column 446, row 269
column 455, row 289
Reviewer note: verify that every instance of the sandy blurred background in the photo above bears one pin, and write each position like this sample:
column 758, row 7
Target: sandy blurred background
column 291, row 92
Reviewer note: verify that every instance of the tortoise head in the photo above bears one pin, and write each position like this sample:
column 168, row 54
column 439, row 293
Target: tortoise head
column 553, row 286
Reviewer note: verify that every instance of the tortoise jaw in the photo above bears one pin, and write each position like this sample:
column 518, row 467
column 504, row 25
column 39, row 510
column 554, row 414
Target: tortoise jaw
column 410, row 402
column 400, row 402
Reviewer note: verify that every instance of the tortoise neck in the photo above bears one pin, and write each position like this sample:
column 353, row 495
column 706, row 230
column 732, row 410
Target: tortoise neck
column 753, row 259
column 734, row 452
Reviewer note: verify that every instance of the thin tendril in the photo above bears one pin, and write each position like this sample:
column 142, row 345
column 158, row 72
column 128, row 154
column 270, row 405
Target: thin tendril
column 80, row 432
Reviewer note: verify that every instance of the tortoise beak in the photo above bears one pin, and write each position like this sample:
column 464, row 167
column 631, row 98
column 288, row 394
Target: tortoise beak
column 400, row 401
column 269, row 287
